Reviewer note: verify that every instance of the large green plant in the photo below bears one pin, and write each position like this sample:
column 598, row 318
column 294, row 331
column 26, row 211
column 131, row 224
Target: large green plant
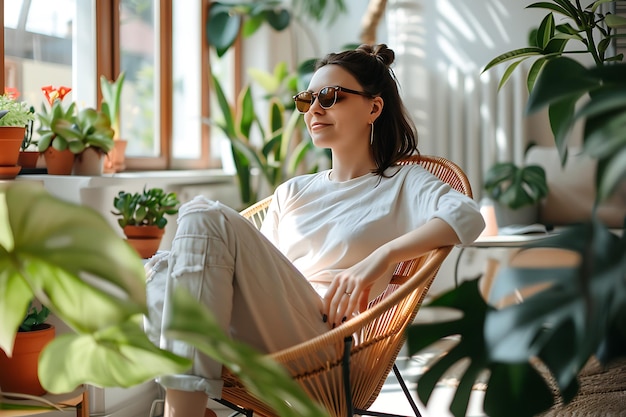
column 275, row 153
column 230, row 18
column 514, row 186
column 582, row 309
column 69, row 258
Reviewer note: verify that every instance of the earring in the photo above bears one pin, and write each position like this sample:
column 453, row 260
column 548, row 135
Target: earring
column 372, row 134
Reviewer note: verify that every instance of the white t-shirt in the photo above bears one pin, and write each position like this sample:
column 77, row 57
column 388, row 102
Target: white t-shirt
column 324, row 226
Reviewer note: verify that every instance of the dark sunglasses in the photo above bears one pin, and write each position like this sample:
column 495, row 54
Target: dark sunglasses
column 327, row 97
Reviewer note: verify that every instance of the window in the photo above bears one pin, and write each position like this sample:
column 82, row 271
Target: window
column 158, row 43
column 38, row 40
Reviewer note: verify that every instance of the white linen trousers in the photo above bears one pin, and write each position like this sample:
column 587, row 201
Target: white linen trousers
column 255, row 293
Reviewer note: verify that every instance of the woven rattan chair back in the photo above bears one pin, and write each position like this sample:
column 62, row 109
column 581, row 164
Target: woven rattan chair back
column 377, row 334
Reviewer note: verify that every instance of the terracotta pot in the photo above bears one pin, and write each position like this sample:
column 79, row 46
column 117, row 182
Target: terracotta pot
column 28, row 159
column 10, row 142
column 144, row 239
column 19, row 372
column 115, row 160
column 89, row 162
column 59, row 162
column 9, row 173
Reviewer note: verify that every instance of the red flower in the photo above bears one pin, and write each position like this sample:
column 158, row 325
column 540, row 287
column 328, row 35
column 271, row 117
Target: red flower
column 53, row 94
column 11, row 92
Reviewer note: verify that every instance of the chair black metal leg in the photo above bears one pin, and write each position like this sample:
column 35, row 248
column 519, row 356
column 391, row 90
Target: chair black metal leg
column 347, row 345
column 238, row 410
column 407, row 394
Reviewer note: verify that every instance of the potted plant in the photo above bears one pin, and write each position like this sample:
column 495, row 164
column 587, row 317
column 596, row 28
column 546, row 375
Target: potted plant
column 84, row 133
column 142, row 217
column 579, row 311
column 19, row 372
column 111, row 99
column 281, row 151
column 14, row 117
column 95, row 283
column 28, row 151
column 516, row 192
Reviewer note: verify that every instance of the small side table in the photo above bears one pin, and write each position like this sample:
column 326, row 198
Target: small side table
column 78, row 399
column 501, row 242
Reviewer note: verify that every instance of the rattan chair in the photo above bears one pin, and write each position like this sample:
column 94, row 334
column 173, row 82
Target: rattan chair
column 345, row 369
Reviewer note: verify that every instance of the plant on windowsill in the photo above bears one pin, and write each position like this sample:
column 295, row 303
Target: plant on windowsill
column 28, row 151
column 111, row 101
column 142, row 217
column 14, row 118
column 575, row 313
column 83, row 136
column 19, row 372
column 76, row 264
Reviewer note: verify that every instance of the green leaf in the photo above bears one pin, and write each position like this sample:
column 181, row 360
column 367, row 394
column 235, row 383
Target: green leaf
column 572, row 11
column 251, row 25
column 508, row 72
column 227, row 113
column 245, row 113
column 516, row 53
column 549, row 6
column 561, row 78
column 615, row 21
column 191, row 322
column 561, row 115
column 509, row 399
column 222, row 28
column 613, row 174
column 561, row 314
column 119, row 356
column 267, row 81
column 88, row 283
column 278, row 19
column 533, row 72
column 545, row 31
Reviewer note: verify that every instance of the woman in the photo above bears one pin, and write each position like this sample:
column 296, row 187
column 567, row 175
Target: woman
column 330, row 240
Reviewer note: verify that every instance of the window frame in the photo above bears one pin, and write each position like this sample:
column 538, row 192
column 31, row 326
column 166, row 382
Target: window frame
column 107, row 37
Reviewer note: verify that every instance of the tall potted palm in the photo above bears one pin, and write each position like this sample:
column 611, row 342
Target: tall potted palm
column 581, row 309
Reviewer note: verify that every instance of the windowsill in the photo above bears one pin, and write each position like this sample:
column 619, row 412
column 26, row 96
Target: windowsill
column 69, row 187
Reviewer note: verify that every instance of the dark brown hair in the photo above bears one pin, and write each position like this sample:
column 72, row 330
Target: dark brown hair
column 395, row 135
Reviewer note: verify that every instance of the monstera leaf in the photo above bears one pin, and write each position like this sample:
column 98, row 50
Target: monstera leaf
column 509, row 386
column 191, row 322
column 48, row 251
column 579, row 311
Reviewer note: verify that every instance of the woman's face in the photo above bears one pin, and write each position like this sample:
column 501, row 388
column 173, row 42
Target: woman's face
column 345, row 124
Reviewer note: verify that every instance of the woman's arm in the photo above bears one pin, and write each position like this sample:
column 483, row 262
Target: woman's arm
column 349, row 291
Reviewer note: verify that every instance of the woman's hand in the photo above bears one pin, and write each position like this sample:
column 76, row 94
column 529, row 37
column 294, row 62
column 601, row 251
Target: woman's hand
column 349, row 291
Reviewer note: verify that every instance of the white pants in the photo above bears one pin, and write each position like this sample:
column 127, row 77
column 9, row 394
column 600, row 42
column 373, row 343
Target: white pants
column 254, row 292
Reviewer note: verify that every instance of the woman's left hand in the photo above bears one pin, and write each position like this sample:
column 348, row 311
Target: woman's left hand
column 349, row 291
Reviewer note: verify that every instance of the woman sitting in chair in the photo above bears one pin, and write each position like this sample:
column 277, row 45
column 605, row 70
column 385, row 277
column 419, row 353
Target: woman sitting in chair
column 330, row 240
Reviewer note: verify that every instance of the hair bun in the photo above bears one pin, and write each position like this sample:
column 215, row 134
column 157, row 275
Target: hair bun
column 381, row 52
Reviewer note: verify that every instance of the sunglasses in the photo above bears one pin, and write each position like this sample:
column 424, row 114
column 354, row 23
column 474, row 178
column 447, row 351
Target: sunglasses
column 327, row 97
